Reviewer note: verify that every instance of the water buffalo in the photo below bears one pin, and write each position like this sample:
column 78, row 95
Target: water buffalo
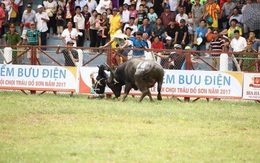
column 138, row 74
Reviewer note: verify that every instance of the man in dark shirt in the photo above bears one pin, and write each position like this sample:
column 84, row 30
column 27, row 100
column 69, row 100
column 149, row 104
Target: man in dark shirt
column 141, row 15
column 70, row 54
column 182, row 34
column 171, row 31
column 176, row 58
column 216, row 48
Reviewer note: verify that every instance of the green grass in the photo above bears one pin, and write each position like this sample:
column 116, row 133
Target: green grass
column 51, row 128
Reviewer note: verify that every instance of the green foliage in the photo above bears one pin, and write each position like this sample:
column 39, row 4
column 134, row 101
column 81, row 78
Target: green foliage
column 51, row 128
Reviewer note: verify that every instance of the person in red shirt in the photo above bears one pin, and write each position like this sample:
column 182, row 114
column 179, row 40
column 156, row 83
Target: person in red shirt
column 167, row 15
column 157, row 44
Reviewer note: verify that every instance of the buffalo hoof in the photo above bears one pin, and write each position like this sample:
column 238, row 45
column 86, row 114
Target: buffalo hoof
column 159, row 98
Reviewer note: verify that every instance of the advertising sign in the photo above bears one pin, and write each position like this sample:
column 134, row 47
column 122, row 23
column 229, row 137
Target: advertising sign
column 251, row 86
column 42, row 78
column 204, row 84
column 210, row 84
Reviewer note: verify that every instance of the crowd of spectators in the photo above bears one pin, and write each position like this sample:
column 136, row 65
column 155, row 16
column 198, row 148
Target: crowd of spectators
column 200, row 24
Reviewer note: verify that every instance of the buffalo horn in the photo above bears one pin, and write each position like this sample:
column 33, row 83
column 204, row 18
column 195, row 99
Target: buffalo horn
column 111, row 74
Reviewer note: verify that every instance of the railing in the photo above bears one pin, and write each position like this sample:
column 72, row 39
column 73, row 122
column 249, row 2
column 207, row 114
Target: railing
column 90, row 58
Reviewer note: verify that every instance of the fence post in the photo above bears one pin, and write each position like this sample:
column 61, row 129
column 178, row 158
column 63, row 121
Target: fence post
column 109, row 62
column 188, row 67
column 223, row 66
column 109, row 59
column 8, row 55
column 188, row 61
column 33, row 61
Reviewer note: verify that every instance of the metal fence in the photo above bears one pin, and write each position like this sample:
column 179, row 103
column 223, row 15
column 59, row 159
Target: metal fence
column 168, row 58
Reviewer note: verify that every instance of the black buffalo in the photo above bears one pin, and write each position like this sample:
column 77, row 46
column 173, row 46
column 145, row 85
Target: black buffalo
column 138, row 74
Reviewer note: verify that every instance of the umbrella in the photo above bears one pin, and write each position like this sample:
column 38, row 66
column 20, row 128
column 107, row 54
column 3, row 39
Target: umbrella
column 251, row 16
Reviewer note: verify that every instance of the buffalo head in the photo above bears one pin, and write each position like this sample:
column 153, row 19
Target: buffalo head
column 113, row 84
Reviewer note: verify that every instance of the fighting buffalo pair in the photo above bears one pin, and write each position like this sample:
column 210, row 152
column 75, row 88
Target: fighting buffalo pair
column 135, row 73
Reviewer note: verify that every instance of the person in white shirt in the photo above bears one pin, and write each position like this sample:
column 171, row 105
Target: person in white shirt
column 69, row 34
column 125, row 15
column 131, row 25
column 79, row 21
column 181, row 15
column 92, row 4
column 238, row 44
column 41, row 20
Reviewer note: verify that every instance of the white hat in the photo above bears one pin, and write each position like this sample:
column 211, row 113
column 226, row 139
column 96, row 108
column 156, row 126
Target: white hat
column 168, row 38
column 39, row 6
column 119, row 35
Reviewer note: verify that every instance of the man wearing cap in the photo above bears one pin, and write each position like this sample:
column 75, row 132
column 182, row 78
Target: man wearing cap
column 27, row 18
column 41, row 20
column 33, row 36
column 176, row 59
column 167, row 15
column 70, row 56
column 12, row 38
column 115, row 24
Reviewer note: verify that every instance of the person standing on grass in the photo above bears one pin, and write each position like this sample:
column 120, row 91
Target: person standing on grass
column 70, row 56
